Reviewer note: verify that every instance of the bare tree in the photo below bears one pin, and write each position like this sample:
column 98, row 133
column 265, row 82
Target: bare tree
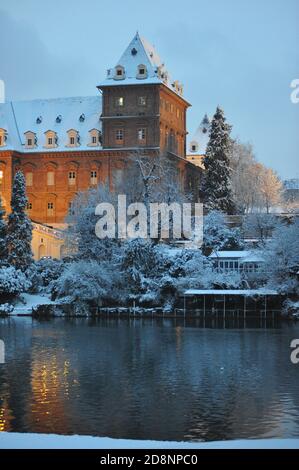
column 256, row 188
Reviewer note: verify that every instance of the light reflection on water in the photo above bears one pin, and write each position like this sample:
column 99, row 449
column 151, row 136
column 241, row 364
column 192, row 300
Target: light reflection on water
column 149, row 379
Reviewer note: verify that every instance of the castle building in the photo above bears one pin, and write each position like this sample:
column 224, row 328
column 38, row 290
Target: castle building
column 67, row 145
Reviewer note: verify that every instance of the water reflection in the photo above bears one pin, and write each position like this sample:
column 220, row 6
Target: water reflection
column 149, row 379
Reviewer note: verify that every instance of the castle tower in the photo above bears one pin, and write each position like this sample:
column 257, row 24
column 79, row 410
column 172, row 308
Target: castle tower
column 142, row 106
column 199, row 141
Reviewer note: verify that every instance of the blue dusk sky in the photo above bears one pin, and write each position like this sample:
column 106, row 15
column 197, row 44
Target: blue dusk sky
column 241, row 54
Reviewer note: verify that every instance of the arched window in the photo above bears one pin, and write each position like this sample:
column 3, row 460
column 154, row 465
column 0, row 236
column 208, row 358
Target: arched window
column 119, row 72
column 50, row 178
column 72, row 177
column 50, row 208
column 29, row 178
column 93, row 177
column 41, row 251
column 141, row 71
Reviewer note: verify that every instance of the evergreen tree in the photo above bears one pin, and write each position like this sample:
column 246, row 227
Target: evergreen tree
column 3, row 241
column 217, row 177
column 19, row 228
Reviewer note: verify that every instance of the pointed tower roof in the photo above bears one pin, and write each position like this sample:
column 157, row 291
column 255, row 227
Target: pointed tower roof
column 199, row 141
column 140, row 64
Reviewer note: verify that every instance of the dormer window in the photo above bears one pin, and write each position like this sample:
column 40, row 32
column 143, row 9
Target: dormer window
column 94, row 138
column 73, row 138
column 194, row 147
column 141, row 71
column 30, row 140
column 51, row 139
column 3, row 137
column 119, row 72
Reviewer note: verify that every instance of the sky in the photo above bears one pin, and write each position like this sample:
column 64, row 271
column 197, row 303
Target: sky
column 239, row 54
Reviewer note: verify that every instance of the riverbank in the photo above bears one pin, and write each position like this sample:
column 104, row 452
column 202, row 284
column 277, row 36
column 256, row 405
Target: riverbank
column 40, row 305
column 12, row 440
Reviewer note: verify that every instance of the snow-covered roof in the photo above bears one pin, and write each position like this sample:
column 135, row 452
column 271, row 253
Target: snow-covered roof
column 141, row 53
column 59, row 115
column 291, row 183
column 197, row 144
column 244, row 255
column 247, row 292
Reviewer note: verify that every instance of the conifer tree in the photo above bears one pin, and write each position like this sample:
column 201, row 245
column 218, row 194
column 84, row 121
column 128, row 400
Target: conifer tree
column 3, row 228
column 217, row 176
column 19, row 227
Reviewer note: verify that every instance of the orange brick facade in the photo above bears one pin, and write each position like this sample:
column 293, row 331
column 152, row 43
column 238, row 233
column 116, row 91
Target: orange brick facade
column 163, row 118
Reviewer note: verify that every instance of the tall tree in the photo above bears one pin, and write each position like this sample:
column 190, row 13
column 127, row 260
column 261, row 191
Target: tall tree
column 217, row 179
column 3, row 228
column 19, row 228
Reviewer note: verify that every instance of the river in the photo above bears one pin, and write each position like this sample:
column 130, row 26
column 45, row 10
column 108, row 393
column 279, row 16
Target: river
column 149, row 379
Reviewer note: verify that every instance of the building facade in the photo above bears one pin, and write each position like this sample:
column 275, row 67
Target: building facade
column 68, row 145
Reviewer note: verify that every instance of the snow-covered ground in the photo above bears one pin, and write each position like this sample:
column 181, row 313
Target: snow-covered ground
column 11, row 440
column 29, row 301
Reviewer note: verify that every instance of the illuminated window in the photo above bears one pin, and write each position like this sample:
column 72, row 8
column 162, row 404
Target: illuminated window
column 1, row 175
column 119, row 135
column 72, row 178
column 93, row 177
column 29, row 178
column 120, row 101
column 141, row 133
column 142, row 101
